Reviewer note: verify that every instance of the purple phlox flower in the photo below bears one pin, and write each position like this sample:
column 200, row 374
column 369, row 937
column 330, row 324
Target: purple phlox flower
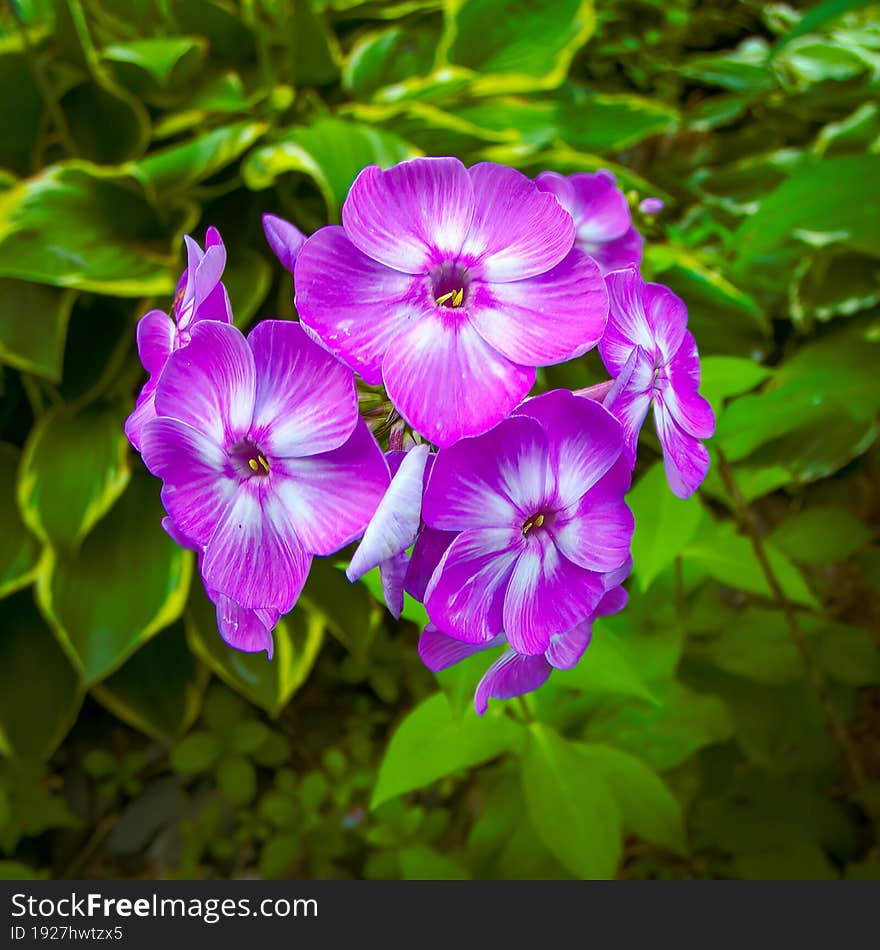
column 263, row 457
column 651, row 206
column 514, row 674
column 654, row 359
column 395, row 524
column 537, row 509
column 450, row 285
column 200, row 295
column 285, row 239
column 242, row 628
column 602, row 219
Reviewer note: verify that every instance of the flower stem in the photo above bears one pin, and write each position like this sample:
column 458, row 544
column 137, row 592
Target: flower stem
column 816, row 678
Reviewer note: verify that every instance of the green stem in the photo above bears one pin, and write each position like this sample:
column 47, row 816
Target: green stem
column 815, row 676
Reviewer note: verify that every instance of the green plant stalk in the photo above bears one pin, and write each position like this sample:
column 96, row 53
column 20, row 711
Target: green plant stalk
column 815, row 676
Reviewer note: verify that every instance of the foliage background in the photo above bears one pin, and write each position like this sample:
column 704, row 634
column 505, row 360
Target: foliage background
column 725, row 725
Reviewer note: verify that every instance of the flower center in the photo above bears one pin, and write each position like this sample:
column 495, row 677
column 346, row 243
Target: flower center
column 248, row 460
column 449, row 285
column 532, row 523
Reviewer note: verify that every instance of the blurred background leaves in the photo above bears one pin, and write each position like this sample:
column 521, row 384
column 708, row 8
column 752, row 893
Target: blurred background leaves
column 693, row 740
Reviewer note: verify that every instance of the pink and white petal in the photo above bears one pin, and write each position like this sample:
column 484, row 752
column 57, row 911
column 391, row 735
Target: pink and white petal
column 601, row 210
column 689, row 409
column 197, row 485
column 447, row 381
column 630, row 397
column 427, row 553
column 155, row 340
column 547, row 593
column 242, row 628
column 518, row 231
column 144, row 411
column 438, row 651
column 395, row 524
column 177, row 536
column 596, row 532
column 411, row 216
column 215, row 306
column 546, row 319
column 285, row 239
column 685, row 458
column 584, row 440
column 465, row 596
column 330, row 498
column 667, row 316
column 392, row 573
column 254, row 555
column 511, row 675
column 306, row 401
column 628, row 324
column 558, row 186
column 494, row 480
column 354, row 304
column 622, row 252
column 612, row 602
column 566, row 649
column 210, row 384
column 208, row 274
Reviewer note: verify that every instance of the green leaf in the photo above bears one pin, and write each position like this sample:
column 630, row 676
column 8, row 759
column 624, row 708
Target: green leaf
column 330, row 152
column 21, row 112
column 178, row 168
column 33, row 326
column 127, row 582
column 19, row 552
column 839, row 197
column 516, row 46
column 389, row 56
column 345, row 608
column 431, row 743
column 571, row 806
column 666, row 734
column 665, row 525
column 611, row 123
column 818, row 16
column 40, row 695
column 74, row 467
column 247, row 279
column 196, row 753
column 156, row 62
column 74, row 225
column 726, row 376
column 237, row 779
column 608, row 668
column 159, row 689
column 833, row 282
column 729, row 558
column 424, row 864
column 647, row 806
column 820, row 535
column 848, row 654
column 269, row 684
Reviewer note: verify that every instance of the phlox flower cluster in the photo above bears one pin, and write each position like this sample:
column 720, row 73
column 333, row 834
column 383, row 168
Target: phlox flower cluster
column 433, row 304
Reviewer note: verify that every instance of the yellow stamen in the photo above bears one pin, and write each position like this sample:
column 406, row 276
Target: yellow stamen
column 455, row 297
column 535, row 522
column 263, row 462
column 253, row 464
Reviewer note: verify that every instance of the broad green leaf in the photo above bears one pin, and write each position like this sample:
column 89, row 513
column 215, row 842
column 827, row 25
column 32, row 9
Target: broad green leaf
column 127, row 582
column 389, row 56
column 726, row 376
column 647, row 806
column 237, row 779
column 814, row 61
column 180, row 167
column 345, row 608
column 330, row 152
column 159, row 689
column 611, row 123
column 431, row 743
column 833, row 282
column 608, row 668
column 516, row 46
column 847, row 653
column 33, row 326
column 571, row 805
column 40, row 695
column 315, row 50
column 819, row 15
column 268, row 683
column 74, row 225
column 820, row 535
column 196, row 753
column 145, row 65
column 665, row 734
column 730, row 559
column 19, row 552
column 74, row 467
column 743, row 70
column 839, row 197
column 21, row 112
column 665, row 525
